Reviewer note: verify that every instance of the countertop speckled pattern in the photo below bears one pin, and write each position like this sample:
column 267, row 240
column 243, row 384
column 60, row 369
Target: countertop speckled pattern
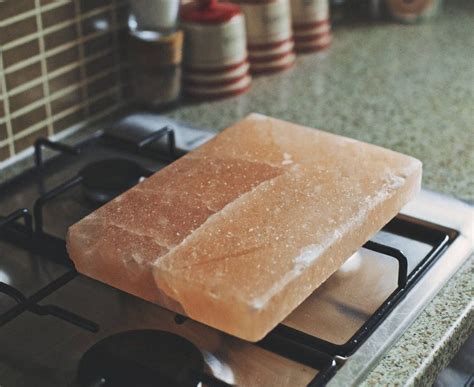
column 408, row 88
column 433, row 339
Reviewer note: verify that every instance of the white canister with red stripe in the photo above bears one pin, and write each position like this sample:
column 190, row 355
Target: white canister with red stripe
column 215, row 52
column 311, row 25
column 269, row 34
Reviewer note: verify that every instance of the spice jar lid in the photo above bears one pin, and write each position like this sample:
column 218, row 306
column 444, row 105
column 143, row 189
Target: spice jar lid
column 208, row 12
column 153, row 48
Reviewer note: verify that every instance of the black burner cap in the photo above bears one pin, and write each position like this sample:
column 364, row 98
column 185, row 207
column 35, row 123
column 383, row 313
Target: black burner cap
column 141, row 358
column 105, row 179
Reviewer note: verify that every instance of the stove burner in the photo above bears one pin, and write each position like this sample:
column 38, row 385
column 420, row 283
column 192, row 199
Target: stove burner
column 105, row 179
column 141, row 358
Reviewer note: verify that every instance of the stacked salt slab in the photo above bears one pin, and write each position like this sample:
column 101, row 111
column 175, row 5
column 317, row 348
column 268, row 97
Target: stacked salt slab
column 269, row 35
column 311, row 25
column 240, row 231
column 215, row 52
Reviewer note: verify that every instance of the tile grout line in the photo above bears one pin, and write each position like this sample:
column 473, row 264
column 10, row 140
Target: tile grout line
column 24, row 63
column 70, row 110
column 77, row 107
column 46, row 101
column 115, row 28
column 25, row 39
column 28, row 85
column 54, row 51
column 44, row 8
column 30, row 130
column 17, row 18
column 6, row 107
column 4, row 142
column 44, row 69
column 61, row 93
column 56, row 27
column 32, row 12
column 82, row 67
column 56, row 73
column 28, row 151
column 33, row 128
column 94, row 117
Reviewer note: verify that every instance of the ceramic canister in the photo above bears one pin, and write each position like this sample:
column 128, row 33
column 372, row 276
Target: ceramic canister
column 311, row 25
column 215, row 53
column 412, row 11
column 269, row 34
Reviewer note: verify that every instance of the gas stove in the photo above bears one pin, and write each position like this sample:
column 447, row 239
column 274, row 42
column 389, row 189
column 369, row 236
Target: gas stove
column 59, row 328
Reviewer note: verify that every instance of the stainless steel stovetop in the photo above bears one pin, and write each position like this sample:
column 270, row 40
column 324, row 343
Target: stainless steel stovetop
column 50, row 316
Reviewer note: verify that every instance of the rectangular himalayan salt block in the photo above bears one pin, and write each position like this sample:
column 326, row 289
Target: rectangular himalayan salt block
column 237, row 233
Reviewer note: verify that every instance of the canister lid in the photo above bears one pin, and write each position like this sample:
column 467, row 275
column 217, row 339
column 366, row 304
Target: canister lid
column 208, row 12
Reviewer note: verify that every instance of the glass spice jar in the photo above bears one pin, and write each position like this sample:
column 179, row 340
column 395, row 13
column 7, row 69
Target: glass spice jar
column 156, row 67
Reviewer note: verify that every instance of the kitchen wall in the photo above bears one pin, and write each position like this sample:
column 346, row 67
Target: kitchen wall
column 61, row 64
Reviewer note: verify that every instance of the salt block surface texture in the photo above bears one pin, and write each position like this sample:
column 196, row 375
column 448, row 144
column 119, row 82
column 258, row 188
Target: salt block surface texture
column 237, row 233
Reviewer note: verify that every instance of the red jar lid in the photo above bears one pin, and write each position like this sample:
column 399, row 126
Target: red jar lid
column 208, row 12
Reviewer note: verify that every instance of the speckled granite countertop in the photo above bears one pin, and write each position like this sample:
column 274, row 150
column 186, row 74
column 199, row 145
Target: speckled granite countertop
column 433, row 339
column 408, row 88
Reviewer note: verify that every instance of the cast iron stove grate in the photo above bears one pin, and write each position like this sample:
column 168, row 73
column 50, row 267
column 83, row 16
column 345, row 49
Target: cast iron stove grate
column 283, row 340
